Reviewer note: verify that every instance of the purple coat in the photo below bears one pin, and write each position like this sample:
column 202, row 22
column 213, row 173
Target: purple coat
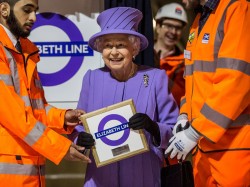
column 99, row 90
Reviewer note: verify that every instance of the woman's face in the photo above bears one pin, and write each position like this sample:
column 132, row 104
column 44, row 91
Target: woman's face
column 117, row 52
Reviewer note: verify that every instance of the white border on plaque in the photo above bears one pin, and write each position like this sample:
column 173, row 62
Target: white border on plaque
column 114, row 139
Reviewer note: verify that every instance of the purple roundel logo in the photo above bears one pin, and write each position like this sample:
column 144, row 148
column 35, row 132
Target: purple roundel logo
column 76, row 39
column 122, row 120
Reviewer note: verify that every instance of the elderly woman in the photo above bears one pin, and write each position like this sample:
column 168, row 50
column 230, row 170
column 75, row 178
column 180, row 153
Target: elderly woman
column 121, row 79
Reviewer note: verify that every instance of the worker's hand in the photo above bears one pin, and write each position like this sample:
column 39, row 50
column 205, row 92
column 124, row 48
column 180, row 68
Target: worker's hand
column 74, row 154
column 182, row 143
column 181, row 124
column 143, row 121
column 85, row 140
column 71, row 117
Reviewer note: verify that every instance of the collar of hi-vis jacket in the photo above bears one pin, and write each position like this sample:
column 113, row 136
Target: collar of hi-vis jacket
column 173, row 60
column 27, row 46
column 10, row 35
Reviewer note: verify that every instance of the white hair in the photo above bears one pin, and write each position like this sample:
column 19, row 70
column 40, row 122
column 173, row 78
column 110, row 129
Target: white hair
column 134, row 40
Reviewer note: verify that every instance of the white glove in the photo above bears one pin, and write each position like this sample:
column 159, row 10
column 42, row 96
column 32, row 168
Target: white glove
column 182, row 143
column 181, row 124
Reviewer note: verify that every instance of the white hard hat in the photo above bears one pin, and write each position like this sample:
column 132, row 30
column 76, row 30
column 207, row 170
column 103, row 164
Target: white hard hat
column 172, row 10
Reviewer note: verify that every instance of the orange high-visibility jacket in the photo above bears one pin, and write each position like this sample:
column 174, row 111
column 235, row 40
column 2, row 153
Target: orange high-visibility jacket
column 174, row 66
column 26, row 119
column 217, row 74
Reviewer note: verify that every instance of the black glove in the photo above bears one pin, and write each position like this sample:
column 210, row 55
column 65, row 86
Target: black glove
column 180, row 128
column 85, row 140
column 181, row 124
column 142, row 121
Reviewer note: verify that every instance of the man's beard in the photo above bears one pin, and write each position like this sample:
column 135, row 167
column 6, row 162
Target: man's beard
column 15, row 27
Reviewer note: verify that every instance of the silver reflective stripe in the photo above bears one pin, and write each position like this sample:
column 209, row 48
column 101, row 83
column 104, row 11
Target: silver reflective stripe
column 14, row 72
column 223, row 121
column 15, row 77
column 35, row 133
column 220, row 32
column 38, row 84
column 216, row 117
column 7, row 79
column 234, row 64
column 183, row 101
column 21, row 169
column 226, row 63
column 47, row 108
column 37, row 103
column 204, row 66
column 200, row 66
column 26, row 100
column 243, row 119
column 188, row 70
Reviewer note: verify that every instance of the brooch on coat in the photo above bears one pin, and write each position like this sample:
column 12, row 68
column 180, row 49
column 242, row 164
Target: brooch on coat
column 145, row 80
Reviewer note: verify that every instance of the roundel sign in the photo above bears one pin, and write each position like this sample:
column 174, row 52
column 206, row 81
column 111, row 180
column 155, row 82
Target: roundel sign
column 73, row 50
column 104, row 132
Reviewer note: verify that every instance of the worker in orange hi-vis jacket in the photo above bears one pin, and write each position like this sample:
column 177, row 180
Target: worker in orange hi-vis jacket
column 217, row 98
column 171, row 20
column 29, row 126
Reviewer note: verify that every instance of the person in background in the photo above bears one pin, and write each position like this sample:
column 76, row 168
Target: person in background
column 29, row 126
column 170, row 22
column 217, row 98
column 121, row 79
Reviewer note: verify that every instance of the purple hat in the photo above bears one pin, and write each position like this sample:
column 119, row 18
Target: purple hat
column 119, row 20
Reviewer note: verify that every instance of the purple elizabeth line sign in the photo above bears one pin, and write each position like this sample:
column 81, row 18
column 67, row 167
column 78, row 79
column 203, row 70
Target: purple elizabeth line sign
column 118, row 118
column 74, row 34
